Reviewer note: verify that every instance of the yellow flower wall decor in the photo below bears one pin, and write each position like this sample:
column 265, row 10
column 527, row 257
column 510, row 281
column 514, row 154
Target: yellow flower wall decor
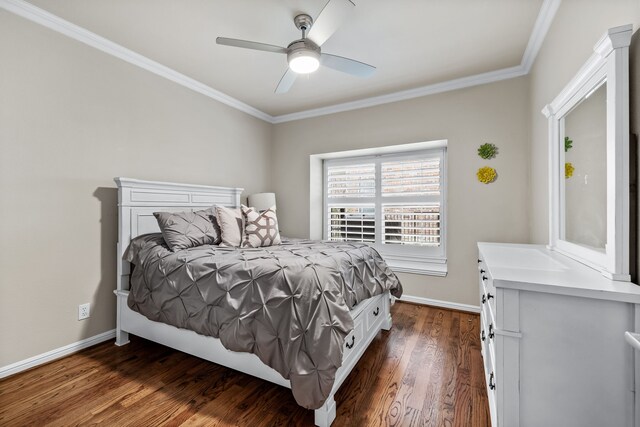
column 486, row 175
column 568, row 170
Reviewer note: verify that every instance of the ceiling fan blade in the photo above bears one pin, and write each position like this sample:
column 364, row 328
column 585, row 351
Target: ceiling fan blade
column 346, row 65
column 286, row 81
column 250, row 45
column 331, row 17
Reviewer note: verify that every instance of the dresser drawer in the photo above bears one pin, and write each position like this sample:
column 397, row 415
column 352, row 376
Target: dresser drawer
column 487, row 339
column 488, row 298
column 492, row 396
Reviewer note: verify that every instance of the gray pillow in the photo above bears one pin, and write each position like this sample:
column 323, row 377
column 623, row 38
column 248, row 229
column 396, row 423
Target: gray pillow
column 183, row 230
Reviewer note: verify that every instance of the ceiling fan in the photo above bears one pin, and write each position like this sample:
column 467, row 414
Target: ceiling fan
column 304, row 55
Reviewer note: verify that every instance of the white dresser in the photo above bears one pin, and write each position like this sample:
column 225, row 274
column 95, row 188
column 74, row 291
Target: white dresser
column 553, row 340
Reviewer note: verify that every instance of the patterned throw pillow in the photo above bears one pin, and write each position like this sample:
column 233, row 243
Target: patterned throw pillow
column 183, row 230
column 231, row 226
column 261, row 229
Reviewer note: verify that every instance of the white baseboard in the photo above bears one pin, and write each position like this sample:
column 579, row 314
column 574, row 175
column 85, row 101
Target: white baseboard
column 57, row 353
column 443, row 304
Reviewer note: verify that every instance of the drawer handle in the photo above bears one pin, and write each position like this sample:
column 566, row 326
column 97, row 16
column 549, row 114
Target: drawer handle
column 489, row 296
column 484, row 298
column 479, row 261
column 484, row 277
column 492, row 383
column 483, row 336
column 491, row 333
column 353, row 341
column 482, row 271
column 376, row 311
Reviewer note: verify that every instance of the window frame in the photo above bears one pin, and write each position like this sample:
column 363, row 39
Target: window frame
column 402, row 258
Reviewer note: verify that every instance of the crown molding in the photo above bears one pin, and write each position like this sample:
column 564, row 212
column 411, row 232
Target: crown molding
column 55, row 23
column 540, row 28
column 464, row 82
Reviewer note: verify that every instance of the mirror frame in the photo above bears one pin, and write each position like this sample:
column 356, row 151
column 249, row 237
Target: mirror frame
column 609, row 63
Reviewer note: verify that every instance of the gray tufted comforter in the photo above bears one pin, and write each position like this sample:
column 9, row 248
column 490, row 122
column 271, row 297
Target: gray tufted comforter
column 288, row 304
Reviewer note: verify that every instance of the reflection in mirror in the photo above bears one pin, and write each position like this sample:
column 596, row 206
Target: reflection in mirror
column 585, row 162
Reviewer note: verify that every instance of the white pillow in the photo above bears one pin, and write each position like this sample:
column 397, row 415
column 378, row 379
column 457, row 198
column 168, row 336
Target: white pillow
column 231, row 226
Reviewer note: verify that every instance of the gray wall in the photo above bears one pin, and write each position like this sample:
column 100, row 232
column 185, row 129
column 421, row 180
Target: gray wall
column 494, row 113
column 71, row 119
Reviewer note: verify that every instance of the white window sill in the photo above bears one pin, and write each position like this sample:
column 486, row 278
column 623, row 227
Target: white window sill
column 431, row 267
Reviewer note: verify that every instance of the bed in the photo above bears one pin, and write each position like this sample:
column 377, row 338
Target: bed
column 137, row 200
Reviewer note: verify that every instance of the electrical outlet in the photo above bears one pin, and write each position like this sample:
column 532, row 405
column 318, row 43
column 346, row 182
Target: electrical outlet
column 84, row 311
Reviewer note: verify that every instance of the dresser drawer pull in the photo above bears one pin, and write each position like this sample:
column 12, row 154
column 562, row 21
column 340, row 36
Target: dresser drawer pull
column 489, row 296
column 482, row 271
column 491, row 333
column 353, row 341
column 376, row 311
column 479, row 261
column 492, row 383
column 484, row 298
column 483, row 337
column 484, row 278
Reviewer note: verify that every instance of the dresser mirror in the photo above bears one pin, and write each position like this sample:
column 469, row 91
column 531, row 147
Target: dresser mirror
column 589, row 160
column 583, row 207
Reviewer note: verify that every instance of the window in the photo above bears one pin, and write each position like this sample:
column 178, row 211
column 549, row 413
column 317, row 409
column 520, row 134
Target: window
column 395, row 202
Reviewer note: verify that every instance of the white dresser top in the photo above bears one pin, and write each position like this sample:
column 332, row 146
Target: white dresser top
column 536, row 268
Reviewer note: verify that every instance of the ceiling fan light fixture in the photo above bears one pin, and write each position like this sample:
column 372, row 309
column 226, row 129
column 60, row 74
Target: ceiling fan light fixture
column 303, row 64
column 303, row 57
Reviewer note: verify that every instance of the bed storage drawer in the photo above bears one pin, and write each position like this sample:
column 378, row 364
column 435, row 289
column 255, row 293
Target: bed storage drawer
column 354, row 340
column 373, row 314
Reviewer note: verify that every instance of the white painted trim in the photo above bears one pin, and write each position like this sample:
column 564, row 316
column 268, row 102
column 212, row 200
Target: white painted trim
column 438, row 303
column 55, row 23
column 426, row 268
column 540, row 28
column 464, row 82
column 57, row 353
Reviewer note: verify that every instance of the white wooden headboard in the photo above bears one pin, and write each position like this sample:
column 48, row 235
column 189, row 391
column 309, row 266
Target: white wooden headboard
column 138, row 200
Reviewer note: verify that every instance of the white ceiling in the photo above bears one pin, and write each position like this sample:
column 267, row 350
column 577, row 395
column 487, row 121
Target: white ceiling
column 413, row 43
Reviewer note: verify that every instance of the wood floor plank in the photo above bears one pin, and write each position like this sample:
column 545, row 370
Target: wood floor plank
column 426, row 371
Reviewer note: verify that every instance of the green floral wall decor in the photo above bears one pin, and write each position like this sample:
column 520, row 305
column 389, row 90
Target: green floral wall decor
column 568, row 144
column 487, row 151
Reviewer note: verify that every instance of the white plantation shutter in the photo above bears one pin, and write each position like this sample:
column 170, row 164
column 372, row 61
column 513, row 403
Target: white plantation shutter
column 411, row 177
column 392, row 201
column 417, row 225
column 352, row 223
column 417, row 222
column 357, row 180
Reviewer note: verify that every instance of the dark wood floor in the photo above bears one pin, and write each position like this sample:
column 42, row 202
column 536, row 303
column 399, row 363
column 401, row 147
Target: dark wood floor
column 426, row 371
